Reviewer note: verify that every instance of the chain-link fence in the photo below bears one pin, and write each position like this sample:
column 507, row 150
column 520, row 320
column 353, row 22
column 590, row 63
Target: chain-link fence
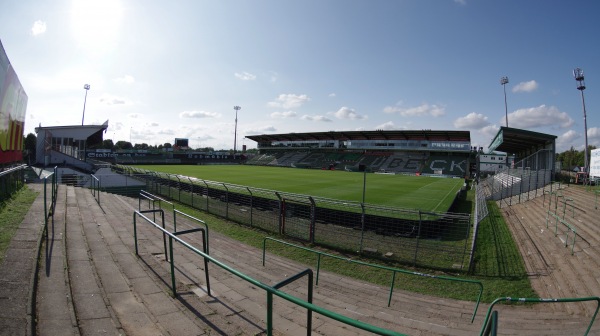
column 434, row 240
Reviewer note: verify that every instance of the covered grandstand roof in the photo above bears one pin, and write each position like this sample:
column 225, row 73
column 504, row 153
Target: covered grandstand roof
column 518, row 141
column 365, row 135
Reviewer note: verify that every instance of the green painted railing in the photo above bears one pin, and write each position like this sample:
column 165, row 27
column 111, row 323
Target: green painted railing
column 570, row 228
column 95, row 188
column 11, row 180
column 393, row 270
column 49, row 209
column 269, row 290
column 487, row 330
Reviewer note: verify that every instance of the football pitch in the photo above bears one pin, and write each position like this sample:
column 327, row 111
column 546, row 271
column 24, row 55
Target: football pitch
column 403, row 191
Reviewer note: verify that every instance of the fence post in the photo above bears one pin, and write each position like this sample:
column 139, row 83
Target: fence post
column 281, row 214
column 362, row 226
column 226, row 200
column 251, row 206
column 417, row 238
column 311, row 235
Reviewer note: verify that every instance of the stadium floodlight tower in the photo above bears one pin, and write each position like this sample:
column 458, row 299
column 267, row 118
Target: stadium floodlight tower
column 236, row 108
column 503, row 82
column 86, row 87
column 578, row 74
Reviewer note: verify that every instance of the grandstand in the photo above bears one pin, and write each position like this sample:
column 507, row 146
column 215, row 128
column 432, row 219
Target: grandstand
column 424, row 152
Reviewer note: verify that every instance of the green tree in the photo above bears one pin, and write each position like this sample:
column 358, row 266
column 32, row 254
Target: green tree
column 108, row 144
column 29, row 144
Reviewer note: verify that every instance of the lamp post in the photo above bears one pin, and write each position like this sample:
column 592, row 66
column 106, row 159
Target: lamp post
column 87, row 88
column 503, row 82
column 236, row 108
column 578, row 74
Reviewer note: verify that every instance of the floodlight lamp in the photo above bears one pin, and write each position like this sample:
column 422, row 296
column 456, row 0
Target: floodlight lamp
column 578, row 74
column 504, row 80
column 86, row 86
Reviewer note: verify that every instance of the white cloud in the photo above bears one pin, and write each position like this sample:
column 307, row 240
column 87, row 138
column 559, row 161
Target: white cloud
column 315, row 118
column 289, row 101
column 153, row 124
column 461, row 2
column 530, row 86
column 127, row 79
column 245, row 76
column 539, row 116
column 489, row 131
column 594, row 136
column 112, row 100
column 286, row 114
column 331, row 95
column 38, row 28
column 565, row 140
column 263, row 130
column 472, row 121
column 348, row 113
column 417, row 111
column 198, row 114
column 388, row 126
column 134, row 115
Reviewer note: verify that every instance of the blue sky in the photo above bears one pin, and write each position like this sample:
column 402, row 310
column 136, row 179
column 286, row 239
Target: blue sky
column 163, row 70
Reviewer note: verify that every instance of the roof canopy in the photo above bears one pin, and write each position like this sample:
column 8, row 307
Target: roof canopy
column 366, row 135
column 518, row 141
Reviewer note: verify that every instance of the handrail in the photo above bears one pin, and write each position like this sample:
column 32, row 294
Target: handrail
column 538, row 300
column 393, row 270
column 157, row 198
column 175, row 211
column 53, row 193
column 270, row 290
column 95, row 187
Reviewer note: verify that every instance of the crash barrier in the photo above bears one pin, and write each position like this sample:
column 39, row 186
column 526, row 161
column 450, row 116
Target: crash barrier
column 393, row 270
column 490, row 323
column 569, row 228
column 270, row 290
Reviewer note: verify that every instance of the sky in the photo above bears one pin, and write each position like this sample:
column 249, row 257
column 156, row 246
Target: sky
column 160, row 70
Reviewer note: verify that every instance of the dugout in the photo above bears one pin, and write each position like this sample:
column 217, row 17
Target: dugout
column 524, row 144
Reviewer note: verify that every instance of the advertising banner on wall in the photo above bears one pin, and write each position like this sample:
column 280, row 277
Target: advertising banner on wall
column 595, row 163
column 13, row 103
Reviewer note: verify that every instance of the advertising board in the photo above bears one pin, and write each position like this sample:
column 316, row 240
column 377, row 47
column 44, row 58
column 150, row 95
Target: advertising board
column 13, row 103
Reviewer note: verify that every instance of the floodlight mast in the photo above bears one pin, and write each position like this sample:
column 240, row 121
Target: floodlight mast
column 86, row 87
column 236, row 108
column 503, row 82
column 578, row 74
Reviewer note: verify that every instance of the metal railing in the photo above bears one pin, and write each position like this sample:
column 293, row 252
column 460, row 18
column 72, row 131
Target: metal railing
column 11, row 180
column 270, row 291
column 487, row 329
column 391, row 269
column 95, row 188
column 50, row 200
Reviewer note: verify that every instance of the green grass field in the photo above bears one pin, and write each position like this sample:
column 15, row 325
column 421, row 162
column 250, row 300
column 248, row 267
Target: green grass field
column 414, row 192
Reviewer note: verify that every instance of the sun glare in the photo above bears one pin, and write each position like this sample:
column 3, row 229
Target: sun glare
column 96, row 23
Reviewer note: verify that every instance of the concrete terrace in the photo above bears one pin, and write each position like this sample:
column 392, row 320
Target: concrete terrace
column 90, row 282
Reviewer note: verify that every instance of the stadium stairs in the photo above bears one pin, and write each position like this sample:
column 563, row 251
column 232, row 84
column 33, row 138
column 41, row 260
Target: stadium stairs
column 91, row 281
column 553, row 270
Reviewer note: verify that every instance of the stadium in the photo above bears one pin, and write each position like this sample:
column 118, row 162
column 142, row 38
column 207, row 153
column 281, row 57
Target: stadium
column 411, row 231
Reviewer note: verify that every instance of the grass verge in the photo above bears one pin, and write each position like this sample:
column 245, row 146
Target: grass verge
column 12, row 212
